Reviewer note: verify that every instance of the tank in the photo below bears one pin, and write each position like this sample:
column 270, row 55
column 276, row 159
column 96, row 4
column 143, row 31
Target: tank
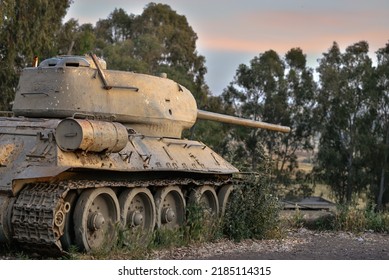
column 87, row 149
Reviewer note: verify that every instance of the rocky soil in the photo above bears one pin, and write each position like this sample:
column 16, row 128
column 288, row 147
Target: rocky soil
column 299, row 244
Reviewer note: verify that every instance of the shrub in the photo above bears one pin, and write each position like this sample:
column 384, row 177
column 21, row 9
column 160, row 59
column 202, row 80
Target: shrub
column 352, row 219
column 253, row 211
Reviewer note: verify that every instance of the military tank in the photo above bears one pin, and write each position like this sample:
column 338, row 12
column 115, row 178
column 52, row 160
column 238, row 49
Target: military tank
column 86, row 149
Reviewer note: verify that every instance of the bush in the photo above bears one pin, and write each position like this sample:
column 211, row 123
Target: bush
column 253, row 211
column 350, row 218
column 200, row 226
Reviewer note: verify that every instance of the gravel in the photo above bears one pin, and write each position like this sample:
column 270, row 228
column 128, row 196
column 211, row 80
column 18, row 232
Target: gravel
column 299, row 244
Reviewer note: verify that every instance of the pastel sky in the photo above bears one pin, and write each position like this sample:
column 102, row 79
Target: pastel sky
column 233, row 32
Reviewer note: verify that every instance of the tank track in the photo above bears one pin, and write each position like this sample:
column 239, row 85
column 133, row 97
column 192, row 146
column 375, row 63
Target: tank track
column 38, row 217
column 38, row 214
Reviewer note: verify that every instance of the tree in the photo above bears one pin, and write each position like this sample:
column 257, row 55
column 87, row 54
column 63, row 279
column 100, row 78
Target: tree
column 121, row 25
column 344, row 103
column 67, row 37
column 276, row 91
column 258, row 91
column 157, row 41
column 118, row 27
column 177, row 45
column 27, row 29
column 301, row 90
column 381, row 125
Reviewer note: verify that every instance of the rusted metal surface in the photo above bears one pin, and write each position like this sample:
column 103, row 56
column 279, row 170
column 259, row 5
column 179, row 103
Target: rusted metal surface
column 91, row 136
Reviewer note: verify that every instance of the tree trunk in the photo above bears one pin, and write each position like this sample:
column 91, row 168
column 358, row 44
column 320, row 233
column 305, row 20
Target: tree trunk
column 381, row 188
column 350, row 170
column 70, row 48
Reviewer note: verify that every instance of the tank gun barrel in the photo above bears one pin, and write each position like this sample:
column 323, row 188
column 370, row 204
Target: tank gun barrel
column 204, row 115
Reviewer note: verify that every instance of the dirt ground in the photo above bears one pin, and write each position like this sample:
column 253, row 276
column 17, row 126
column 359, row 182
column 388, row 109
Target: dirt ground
column 299, row 244
column 296, row 244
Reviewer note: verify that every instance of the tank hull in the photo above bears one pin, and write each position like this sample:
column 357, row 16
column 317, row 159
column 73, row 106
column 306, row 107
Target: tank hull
column 38, row 177
column 28, row 150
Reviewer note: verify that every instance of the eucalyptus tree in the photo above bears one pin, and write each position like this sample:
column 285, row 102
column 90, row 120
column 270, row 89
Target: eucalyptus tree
column 258, row 92
column 382, row 125
column 301, row 91
column 171, row 35
column 27, row 29
column 158, row 40
column 279, row 91
column 344, row 110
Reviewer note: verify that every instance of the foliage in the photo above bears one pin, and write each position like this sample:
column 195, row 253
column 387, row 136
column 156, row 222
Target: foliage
column 253, row 211
column 200, row 225
column 278, row 91
column 27, row 29
column 357, row 220
column 347, row 218
column 253, row 92
column 379, row 140
column 156, row 41
column 345, row 119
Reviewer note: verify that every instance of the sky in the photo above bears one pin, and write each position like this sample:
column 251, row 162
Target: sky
column 234, row 32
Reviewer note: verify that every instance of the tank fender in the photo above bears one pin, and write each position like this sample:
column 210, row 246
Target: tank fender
column 36, row 173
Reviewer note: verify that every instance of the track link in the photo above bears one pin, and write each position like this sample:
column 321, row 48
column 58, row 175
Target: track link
column 38, row 216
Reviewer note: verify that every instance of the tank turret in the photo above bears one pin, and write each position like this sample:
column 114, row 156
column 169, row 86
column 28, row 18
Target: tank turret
column 89, row 148
column 70, row 86
column 78, row 86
